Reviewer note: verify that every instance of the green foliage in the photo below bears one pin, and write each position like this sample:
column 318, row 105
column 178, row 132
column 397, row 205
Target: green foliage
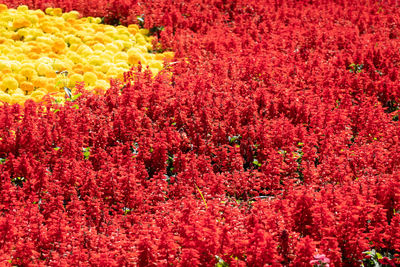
column 86, row 152
column 72, row 98
column 355, row 68
column 257, row 163
column 221, row 262
column 234, row 139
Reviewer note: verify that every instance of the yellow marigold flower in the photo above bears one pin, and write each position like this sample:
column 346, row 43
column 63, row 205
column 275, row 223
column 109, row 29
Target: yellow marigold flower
column 28, row 72
column 33, row 55
column 78, row 68
column 112, row 48
column 157, row 64
column 9, row 83
column 43, row 69
column 37, row 95
column 39, row 82
column 51, row 86
column 154, row 71
column 120, row 56
column 100, row 75
column 4, row 97
column 6, row 70
column 140, row 39
column 136, row 58
column 58, row 45
column 98, row 47
column 21, row 22
column 89, row 78
column 48, row 11
column 133, row 29
column 3, row 8
column 57, row 12
column 123, row 65
column 18, row 91
column 74, row 78
column 27, row 86
column 20, row 78
column 101, row 84
column 51, row 74
column 106, row 66
column 88, row 68
column 169, row 55
column 96, row 60
column 18, row 99
column 84, row 50
column 39, row 13
column 4, row 65
column 33, row 18
column 22, row 8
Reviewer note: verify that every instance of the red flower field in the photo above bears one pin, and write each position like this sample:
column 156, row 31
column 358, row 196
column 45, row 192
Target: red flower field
column 273, row 138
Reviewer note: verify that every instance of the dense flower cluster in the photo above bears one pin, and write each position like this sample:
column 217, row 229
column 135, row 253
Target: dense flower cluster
column 36, row 45
column 272, row 140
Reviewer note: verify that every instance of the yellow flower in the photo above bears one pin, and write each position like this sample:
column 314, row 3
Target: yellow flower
column 98, row 47
column 120, row 56
column 43, row 69
column 39, row 82
column 18, row 99
column 49, row 11
column 28, row 72
column 9, row 83
column 4, row 65
column 4, row 97
column 57, row 12
column 89, row 78
column 156, row 64
column 74, row 78
column 21, row 22
column 112, row 48
column 27, row 86
column 34, row 45
column 134, row 59
column 59, row 45
column 133, row 29
column 37, row 95
column 22, row 8
column 3, row 8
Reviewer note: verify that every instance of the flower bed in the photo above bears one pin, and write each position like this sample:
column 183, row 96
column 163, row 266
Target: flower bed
column 271, row 140
column 35, row 47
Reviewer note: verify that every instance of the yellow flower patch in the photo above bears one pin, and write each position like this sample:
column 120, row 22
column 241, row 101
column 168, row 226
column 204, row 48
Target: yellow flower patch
column 43, row 52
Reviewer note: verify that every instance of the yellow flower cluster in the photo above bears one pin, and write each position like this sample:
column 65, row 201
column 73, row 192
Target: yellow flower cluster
column 36, row 46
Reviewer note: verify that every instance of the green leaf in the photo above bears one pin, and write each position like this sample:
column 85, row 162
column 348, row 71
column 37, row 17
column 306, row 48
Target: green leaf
column 255, row 162
column 234, row 139
column 86, row 152
column 221, row 262
column 75, row 97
